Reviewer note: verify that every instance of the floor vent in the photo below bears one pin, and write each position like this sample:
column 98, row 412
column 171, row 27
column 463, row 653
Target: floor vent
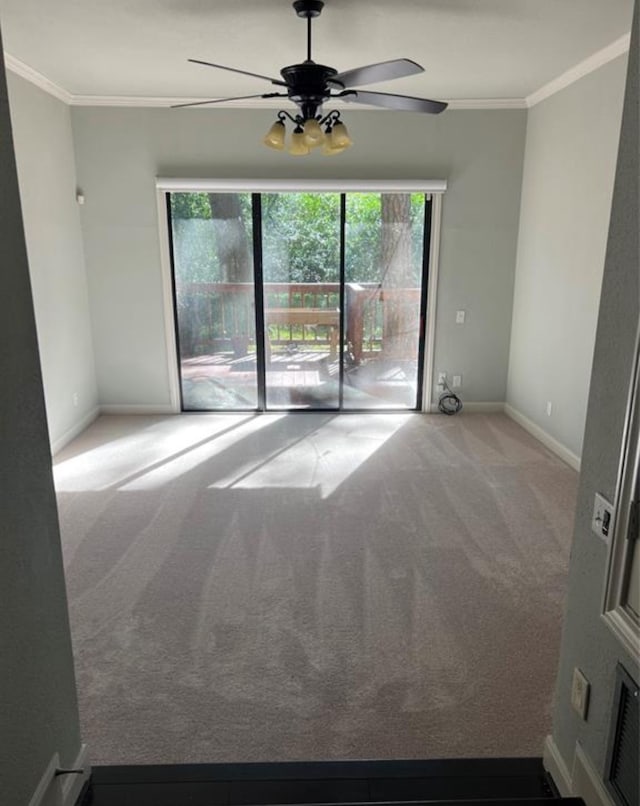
column 624, row 742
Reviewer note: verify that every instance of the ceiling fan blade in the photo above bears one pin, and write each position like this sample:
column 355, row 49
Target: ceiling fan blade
column 404, row 103
column 382, row 71
column 242, row 72
column 224, row 100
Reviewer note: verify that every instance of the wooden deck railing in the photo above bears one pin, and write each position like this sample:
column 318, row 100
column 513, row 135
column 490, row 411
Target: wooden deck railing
column 217, row 316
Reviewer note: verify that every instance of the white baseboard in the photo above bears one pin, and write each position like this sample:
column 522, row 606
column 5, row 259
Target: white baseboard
column 45, row 782
column 59, row 443
column 555, row 766
column 72, row 784
column 142, row 408
column 583, row 781
column 586, row 781
column 560, row 450
column 488, row 407
column 64, row 789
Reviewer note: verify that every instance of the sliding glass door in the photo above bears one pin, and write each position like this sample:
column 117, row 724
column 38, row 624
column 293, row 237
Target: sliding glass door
column 301, row 274
column 300, row 300
column 384, row 265
column 214, row 292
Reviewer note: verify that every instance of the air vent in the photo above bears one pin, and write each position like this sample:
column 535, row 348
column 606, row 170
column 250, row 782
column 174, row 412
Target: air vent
column 624, row 742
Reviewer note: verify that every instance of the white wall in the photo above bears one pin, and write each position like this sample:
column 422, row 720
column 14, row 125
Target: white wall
column 569, row 167
column 120, row 152
column 46, row 174
column 38, row 708
column 587, row 641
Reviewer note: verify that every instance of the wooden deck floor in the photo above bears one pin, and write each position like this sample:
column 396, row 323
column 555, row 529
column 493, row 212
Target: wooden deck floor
column 223, row 363
column 222, row 380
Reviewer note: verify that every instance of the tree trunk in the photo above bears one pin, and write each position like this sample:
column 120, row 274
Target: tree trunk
column 399, row 329
column 236, row 264
column 232, row 241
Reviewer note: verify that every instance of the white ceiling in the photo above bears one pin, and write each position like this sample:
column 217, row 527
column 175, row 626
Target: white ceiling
column 471, row 49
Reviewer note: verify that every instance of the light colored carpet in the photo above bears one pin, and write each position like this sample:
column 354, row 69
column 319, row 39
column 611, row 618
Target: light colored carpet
column 313, row 586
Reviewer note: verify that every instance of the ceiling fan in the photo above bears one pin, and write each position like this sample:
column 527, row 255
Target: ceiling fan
column 310, row 85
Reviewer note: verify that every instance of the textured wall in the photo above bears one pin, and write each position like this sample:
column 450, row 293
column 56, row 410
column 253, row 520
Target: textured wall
column 587, row 641
column 569, row 168
column 37, row 688
column 119, row 153
column 46, row 175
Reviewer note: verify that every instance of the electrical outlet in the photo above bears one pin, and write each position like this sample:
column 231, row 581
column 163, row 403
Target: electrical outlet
column 549, row 408
column 460, row 317
column 602, row 518
column 75, row 399
column 580, row 688
column 442, row 379
column 457, row 382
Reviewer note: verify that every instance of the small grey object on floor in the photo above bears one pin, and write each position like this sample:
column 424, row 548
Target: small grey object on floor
column 285, row 587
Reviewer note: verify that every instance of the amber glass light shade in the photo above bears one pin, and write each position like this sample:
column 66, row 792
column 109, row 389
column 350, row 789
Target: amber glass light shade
column 274, row 138
column 340, row 136
column 329, row 151
column 298, row 146
column 313, row 133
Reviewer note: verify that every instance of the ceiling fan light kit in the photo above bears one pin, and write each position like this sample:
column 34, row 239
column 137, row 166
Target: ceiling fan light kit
column 310, row 85
column 308, row 134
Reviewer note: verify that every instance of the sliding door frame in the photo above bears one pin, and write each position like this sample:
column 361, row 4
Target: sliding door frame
column 343, row 295
column 165, row 186
column 168, row 302
column 431, row 311
column 258, row 301
column 424, row 296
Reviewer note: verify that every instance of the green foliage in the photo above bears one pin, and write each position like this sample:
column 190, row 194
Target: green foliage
column 364, row 231
column 195, row 257
column 190, row 205
column 363, row 237
column 196, row 235
column 300, row 236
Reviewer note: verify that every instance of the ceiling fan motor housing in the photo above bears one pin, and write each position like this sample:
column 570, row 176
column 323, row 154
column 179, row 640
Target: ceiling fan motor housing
column 308, row 85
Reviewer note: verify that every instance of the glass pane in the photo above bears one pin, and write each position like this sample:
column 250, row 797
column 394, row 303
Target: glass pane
column 301, row 267
column 383, row 288
column 214, row 292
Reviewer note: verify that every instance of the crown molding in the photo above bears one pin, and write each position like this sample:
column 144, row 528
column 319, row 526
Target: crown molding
column 21, row 69
column 583, row 68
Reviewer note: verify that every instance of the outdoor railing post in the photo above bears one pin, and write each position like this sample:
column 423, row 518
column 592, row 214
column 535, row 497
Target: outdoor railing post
column 355, row 319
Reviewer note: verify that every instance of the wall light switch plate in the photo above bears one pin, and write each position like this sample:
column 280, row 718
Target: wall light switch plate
column 460, row 317
column 602, row 520
column 580, row 688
